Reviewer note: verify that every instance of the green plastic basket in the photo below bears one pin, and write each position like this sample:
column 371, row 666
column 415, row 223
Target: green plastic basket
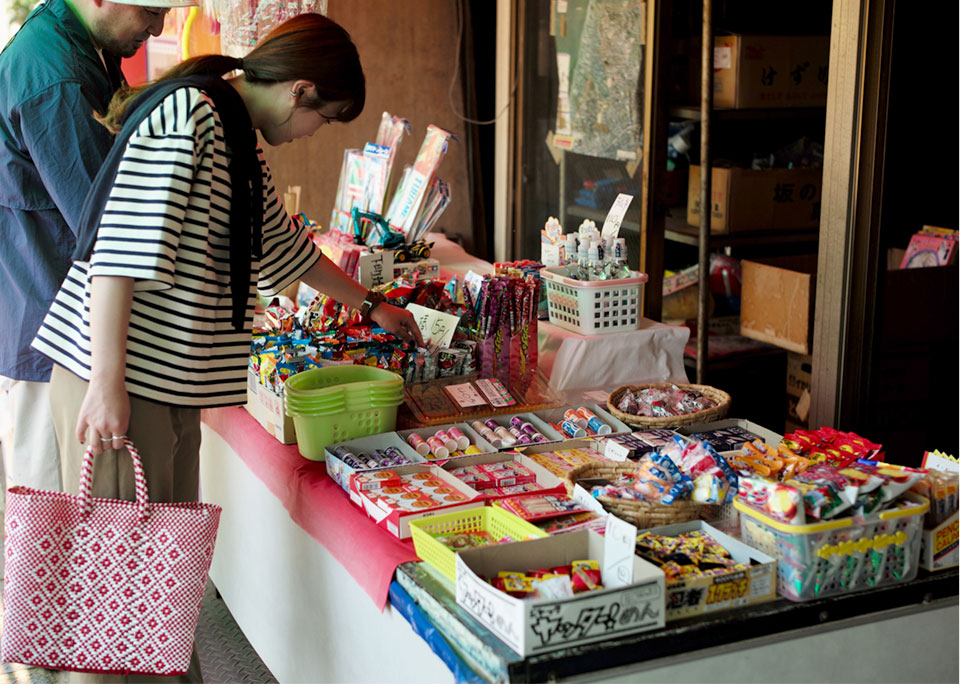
column 339, row 403
column 496, row 521
column 314, row 433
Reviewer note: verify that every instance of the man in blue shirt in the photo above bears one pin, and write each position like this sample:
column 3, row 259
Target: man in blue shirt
column 62, row 65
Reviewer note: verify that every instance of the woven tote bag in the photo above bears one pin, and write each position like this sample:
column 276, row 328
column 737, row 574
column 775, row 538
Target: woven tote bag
column 102, row 585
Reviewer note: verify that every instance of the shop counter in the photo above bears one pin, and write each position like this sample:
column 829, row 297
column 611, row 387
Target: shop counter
column 306, row 576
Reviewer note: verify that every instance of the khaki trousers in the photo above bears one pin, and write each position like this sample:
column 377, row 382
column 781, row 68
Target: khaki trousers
column 168, row 439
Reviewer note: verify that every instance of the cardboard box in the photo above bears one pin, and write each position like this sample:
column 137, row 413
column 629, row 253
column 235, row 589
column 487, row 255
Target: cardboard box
column 732, row 589
column 341, row 472
column 634, row 445
column 769, row 436
column 267, row 407
column 551, row 484
column 426, row 432
column 537, row 626
column 939, row 547
column 768, row 199
column 770, row 71
column 397, row 522
column 555, row 417
column 776, row 304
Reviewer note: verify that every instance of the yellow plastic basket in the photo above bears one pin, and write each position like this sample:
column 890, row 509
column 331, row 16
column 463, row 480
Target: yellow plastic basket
column 495, row 521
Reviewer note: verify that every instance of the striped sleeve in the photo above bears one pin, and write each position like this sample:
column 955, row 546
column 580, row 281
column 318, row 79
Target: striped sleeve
column 288, row 252
column 141, row 228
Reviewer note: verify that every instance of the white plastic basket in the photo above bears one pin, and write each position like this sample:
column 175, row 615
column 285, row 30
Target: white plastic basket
column 595, row 307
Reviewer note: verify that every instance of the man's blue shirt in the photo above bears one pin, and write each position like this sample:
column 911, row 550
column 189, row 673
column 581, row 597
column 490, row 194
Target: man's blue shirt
column 51, row 81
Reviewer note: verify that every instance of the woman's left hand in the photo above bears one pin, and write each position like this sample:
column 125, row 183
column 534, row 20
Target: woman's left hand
column 398, row 321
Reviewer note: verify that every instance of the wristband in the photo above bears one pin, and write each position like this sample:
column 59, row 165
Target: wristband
column 370, row 302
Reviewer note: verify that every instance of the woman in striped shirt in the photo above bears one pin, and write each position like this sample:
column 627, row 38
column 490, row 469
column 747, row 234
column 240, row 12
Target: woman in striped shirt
column 155, row 324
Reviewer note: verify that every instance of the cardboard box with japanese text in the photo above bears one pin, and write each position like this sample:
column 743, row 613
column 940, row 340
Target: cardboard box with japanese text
column 733, row 588
column 534, row 626
column 267, row 407
column 752, row 200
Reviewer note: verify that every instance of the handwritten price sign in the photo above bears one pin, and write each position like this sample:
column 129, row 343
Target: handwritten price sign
column 437, row 328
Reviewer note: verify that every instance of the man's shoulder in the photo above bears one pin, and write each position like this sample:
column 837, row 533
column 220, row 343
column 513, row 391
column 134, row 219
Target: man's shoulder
column 43, row 54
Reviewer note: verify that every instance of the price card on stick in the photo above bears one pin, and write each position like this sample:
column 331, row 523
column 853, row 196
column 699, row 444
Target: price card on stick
column 436, row 327
column 619, row 548
column 611, row 224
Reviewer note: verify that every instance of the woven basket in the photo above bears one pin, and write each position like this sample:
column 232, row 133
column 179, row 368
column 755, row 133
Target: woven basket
column 640, row 513
column 719, row 397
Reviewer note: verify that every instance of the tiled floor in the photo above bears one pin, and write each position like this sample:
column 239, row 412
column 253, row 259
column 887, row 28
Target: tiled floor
column 225, row 655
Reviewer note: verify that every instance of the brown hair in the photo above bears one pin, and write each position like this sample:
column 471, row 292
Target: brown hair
column 308, row 46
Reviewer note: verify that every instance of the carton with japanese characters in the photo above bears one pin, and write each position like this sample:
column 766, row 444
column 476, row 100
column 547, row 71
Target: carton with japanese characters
column 939, row 548
column 395, row 496
column 505, row 474
column 365, row 454
column 706, row 569
column 530, row 626
column 266, row 406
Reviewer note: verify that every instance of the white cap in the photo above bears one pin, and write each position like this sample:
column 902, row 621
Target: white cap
column 163, row 4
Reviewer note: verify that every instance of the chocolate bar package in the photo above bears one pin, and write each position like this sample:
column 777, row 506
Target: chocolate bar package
column 726, row 439
column 636, row 444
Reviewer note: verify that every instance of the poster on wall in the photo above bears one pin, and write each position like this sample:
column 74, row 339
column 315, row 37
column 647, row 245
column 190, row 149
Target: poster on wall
column 600, row 45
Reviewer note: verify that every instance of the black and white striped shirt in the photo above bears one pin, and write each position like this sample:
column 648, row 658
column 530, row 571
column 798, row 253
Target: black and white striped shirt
column 166, row 225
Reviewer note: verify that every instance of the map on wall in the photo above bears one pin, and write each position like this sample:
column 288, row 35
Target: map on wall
column 604, row 102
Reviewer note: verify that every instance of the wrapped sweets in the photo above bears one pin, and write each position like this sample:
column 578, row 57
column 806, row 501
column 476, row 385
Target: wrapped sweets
column 689, row 554
column 832, row 447
column 713, row 478
column 760, row 458
column 558, row 582
column 661, row 402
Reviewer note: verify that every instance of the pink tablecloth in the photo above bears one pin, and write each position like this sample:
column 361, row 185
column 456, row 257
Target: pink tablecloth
column 315, row 502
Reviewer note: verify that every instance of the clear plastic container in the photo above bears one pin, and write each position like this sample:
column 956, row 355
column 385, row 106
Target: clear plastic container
column 839, row 556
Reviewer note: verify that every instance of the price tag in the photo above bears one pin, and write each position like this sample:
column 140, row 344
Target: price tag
column 436, row 327
column 611, row 225
column 619, row 548
column 465, row 395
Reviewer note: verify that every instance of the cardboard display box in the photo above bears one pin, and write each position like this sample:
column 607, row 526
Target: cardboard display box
column 767, row 199
column 939, row 547
column 342, row 473
column 769, row 436
column 777, row 300
column 732, row 589
column 551, row 484
column 770, row 71
column 555, row 417
column 267, row 407
column 397, row 522
column 535, row 626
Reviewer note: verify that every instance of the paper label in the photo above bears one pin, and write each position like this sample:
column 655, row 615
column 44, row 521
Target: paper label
column 494, row 394
column 376, row 268
column 619, row 548
column 465, row 395
column 611, row 225
column 722, row 57
column 584, row 498
column 563, row 94
column 473, row 283
column 562, row 6
column 436, row 327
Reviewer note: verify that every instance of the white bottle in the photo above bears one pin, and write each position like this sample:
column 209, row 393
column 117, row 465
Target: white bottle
column 595, row 265
column 620, row 266
column 583, row 261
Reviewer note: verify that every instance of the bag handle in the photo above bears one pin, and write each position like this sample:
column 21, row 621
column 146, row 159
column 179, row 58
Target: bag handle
column 140, row 480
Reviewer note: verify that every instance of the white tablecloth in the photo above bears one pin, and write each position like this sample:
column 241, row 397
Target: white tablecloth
column 574, row 362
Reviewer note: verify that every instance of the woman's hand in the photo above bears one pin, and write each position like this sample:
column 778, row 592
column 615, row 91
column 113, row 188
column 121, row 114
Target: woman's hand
column 104, row 416
column 398, row 321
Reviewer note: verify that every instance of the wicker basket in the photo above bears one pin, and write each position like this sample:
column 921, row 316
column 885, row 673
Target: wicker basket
column 719, row 397
column 640, row 513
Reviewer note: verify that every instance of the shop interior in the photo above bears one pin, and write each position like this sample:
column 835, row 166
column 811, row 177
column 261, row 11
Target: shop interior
column 799, row 304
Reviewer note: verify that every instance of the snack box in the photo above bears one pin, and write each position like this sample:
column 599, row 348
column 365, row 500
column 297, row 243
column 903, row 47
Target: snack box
column 938, row 547
column 556, row 417
column 732, row 589
column 426, row 432
column 560, row 469
column 538, row 424
column 551, row 483
column 396, row 520
column 839, row 556
column 341, row 472
column 535, row 626
column 266, row 406
column 632, row 446
column 727, row 430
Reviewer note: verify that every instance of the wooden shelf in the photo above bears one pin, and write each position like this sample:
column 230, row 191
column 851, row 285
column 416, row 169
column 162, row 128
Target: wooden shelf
column 676, row 229
column 692, row 113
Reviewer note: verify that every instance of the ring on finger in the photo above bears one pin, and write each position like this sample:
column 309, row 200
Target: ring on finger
column 106, row 439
